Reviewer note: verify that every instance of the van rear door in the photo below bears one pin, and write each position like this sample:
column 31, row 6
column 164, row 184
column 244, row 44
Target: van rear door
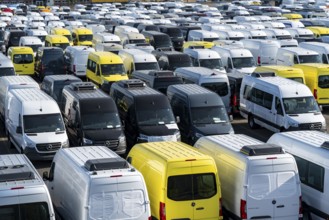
column 268, row 54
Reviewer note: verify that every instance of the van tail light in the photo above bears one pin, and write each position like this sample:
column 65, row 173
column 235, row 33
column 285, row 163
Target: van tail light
column 74, row 68
column 234, row 100
column 220, row 207
column 162, row 211
column 19, row 187
column 150, row 218
column 243, row 209
column 258, row 60
column 315, row 93
column 300, row 207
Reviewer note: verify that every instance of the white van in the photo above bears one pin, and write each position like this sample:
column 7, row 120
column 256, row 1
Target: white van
column 230, row 35
column 254, row 34
column 131, row 38
column 6, row 66
column 76, row 59
column 34, row 123
column 279, row 104
column 277, row 34
column 144, row 47
column 95, row 183
column 300, row 32
column 24, row 195
column 213, row 80
column 310, row 149
column 321, row 48
column 264, row 51
column 41, row 34
column 105, row 38
column 289, row 56
column 257, row 179
column 30, row 41
column 288, row 42
column 202, row 35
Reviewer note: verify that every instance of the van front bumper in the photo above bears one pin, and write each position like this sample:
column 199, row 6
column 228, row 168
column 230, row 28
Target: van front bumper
column 33, row 154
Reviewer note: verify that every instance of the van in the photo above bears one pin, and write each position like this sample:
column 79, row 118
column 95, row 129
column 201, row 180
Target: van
column 104, row 68
column 24, row 195
column 82, row 36
column 293, row 16
column 30, row 41
column 310, row 149
column 278, row 34
column 263, row 51
column 108, row 47
column 321, row 48
column 157, row 79
column 197, row 45
column 41, row 34
column 213, row 80
column 62, row 31
column 316, row 79
column 57, row 41
column 235, row 79
column 158, row 40
column 105, row 38
column 186, row 29
column 171, row 60
column 289, row 56
column 258, row 180
column 6, row 67
column 279, row 104
column 202, row 35
column 288, row 42
column 34, row 123
column 288, row 72
column 91, row 117
column 135, row 59
column 181, row 182
column 23, row 60
column 12, row 38
column 254, row 34
column 175, row 34
column 76, row 59
column 118, row 30
column 97, row 178
column 145, row 112
column 319, row 31
column 145, row 47
column 229, row 35
column 302, row 33
column 131, row 38
column 201, row 112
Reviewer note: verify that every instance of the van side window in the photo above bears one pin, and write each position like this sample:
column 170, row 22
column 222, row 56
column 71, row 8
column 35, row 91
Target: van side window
column 229, row 63
column 247, row 92
column 278, row 106
column 129, row 159
column 261, row 98
column 295, row 59
column 310, row 173
column 91, row 66
column 19, row 120
column 324, row 58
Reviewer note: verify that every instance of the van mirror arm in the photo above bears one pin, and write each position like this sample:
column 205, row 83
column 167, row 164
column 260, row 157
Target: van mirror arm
column 321, row 108
column 177, row 119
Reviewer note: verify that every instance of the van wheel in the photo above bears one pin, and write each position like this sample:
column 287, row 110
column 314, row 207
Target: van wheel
column 251, row 122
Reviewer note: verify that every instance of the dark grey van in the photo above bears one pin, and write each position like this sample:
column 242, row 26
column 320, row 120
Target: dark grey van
column 158, row 40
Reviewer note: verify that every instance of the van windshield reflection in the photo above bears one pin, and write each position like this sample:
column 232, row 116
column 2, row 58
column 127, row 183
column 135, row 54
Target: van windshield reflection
column 300, row 105
column 211, row 63
column 209, row 115
column 112, row 69
column 155, row 117
column 243, row 62
column 100, row 120
column 43, row 123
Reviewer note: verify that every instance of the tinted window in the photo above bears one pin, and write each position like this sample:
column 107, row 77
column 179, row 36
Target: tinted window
column 43, row 123
column 8, row 71
column 221, row 88
column 146, row 66
column 310, row 59
column 324, row 82
column 63, row 45
column 110, row 69
column 35, row 211
column 87, row 37
column 53, row 56
column 173, row 32
column 162, row 41
column 209, row 115
column 243, row 62
column 211, row 63
column 300, row 105
column 23, row 58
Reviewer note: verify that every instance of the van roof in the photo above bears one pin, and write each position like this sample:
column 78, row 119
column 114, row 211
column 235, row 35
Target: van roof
column 192, row 89
column 200, row 71
column 85, row 90
column 234, row 51
column 18, row 79
column 202, row 53
column 137, row 88
column 61, row 78
column 276, row 68
column 298, row 50
column 21, row 50
column 31, row 95
column 105, row 57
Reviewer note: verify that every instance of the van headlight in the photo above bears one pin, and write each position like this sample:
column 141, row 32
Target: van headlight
column 177, row 135
column 87, row 141
column 29, row 144
column 66, row 143
column 293, row 124
column 122, row 140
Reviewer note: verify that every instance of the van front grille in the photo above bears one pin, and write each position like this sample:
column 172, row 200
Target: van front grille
column 49, row 146
column 112, row 144
column 311, row 126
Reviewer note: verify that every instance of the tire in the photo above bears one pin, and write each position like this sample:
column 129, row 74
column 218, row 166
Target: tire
column 251, row 122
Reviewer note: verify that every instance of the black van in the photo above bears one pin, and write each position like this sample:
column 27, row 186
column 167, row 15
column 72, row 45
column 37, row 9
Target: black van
column 187, row 28
column 171, row 60
column 201, row 112
column 91, row 117
column 158, row 80
column 158, row 40
column 145, row 112
column 13, row 38
column 175, row 34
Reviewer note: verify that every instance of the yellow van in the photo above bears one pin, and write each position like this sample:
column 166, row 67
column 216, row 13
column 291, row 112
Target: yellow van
column 288, row 72
column 23, row 60
column 82, row 36
column 197, row 44
column 57, row 41
column 317, row 79
column 319, row 31
column 62, row 31
column 293, row 16
column 182, row 183
column 103, row 68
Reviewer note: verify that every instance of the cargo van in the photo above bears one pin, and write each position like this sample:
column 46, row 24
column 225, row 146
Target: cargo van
column 230, row 35
column 202, row 35
column 263, row 51
column 82, row 36
column 76, row 58
column 24, row 195
column 41, row 34
column 158, row 40
column 175, row 34
column 197, row 45
column 104, row 68
column 258, row 180
column 132, row 38
column 171, row 60
column 310, row 149
column 301, row 33
column 182, row 183
column 34, row 123
column 30, row 41
column 91, row 117
column 321, row 48
column 201, row 112
column 6, row 67
column 289, row 56
column 62, row 31
column 145, row 112
column 23, row 60
column 278, row 34
column 279, row 104
column 254, row 34
column 288, row 72
column 97, row 178
column 317, row 80
column 57, row 41
column 105, row 38
column 213, row 80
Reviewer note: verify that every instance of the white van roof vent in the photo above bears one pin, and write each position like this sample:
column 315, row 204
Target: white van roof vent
column 325, row 145
column 106, row 164
column 83, row 86
column 132, row 83
column 161, row 73
column 261, row 149
column 16, row 173
column 266, row 74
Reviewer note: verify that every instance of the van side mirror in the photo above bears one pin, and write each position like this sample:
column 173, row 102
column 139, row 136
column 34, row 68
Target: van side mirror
column 45, row 175
column 177, row 119
column 321, row 108
column 231, row 118
column 19, row 130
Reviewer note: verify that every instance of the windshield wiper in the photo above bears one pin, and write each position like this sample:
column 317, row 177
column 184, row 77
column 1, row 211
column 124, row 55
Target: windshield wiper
column 59, row 132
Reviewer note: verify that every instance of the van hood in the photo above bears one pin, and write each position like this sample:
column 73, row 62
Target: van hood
column 101, row 135
column 46, row 137
column 295, row 120
column 159, row 130
column 214, row 129
column 246, row 70
column 85, row 43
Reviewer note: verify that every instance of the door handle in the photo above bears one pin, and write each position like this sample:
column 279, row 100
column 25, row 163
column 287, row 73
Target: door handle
column 193, row 204
column 280, row 206
column 200, row 208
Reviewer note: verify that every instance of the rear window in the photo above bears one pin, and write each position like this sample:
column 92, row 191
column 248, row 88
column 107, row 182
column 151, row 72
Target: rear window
column 35, row 211
column 49, row 56
column 324, row 82
column 23, row 58
column 191, row 187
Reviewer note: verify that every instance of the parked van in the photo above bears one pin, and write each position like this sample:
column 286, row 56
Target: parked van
column 254, row 34
column 317, row 78
column 118, row 30
column 301, row 33
column 62, row 31
column 321, row 48
column 6, row 67
column 288, row 72
column 158, row 40
column 157, row 79
column 145, row 112
column 278, row 34
column 30, row 41
column 41, row 34
column 202, row 35
column 310, row 149
column 263, row 51
column 197, row 45
column 135, row 59
column 104, row 68
column 289, row 56
column 57, row 41
column 319, row 31
column 24, row 195
column 76, row 58
column 201, row 112
column 34, row 123
column 257, row 179
column 102, row 181
column 23, row 60
column 105, row 38
column 213, row 80
column 293, row 16
column 182, row 183
column 171, row 60
column 235, row 79
column 230, row 35
column 82, row 36
column 175, row 34
column 132, row 38
column 279, row 104
column 205, row 58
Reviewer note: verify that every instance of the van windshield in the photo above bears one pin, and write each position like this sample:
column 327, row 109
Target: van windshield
column 100, row 120
column 86, row 37
column 221, row 88
column 243, row 62
column 23, row 58
column 61, row 45
column 154, row 117
column 209, row 115
column 7, row 71
column 138, row 41
column 43, row 123
column 162, row 41
column 283, row 37
column 210, row 39
column 211, row 63
column 112, row 69
column 147, row 66
column 300, row 105
column 35, row 211
column 34, row 47
column 324, row 82
column 68, row 37
column 297, row 79
column 310, row 59
column 191, row 187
